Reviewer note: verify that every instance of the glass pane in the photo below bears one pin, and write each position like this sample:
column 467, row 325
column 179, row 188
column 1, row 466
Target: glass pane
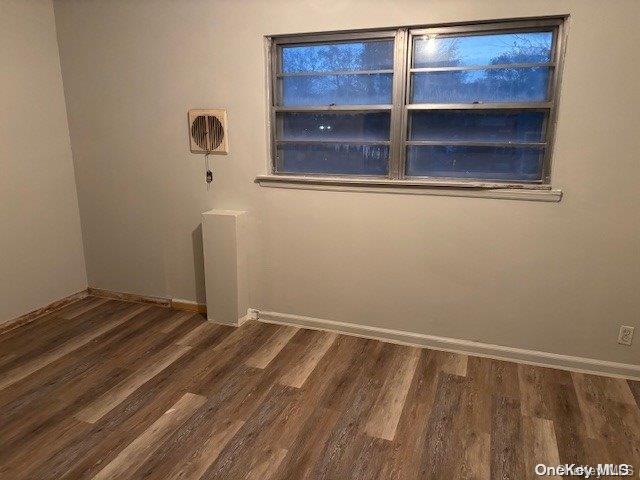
column 333, row 126
column 487, row 163
column 327, row 57
column 505, row 48
column 334, row 159
column 477, row 126
column 493, row 85
column 368, row 89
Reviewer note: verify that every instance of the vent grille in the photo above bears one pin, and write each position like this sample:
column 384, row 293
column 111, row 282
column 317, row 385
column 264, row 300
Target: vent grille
column 208, row 131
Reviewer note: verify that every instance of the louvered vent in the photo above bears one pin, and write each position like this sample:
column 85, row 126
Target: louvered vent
column 208, row 131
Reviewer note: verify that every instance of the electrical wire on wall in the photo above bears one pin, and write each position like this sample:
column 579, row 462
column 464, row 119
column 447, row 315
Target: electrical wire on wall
column 208, row 172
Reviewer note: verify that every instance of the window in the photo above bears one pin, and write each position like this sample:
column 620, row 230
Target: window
column 463, row 103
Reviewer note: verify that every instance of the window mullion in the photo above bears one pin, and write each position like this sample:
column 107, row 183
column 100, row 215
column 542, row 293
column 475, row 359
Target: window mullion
column 398, row 135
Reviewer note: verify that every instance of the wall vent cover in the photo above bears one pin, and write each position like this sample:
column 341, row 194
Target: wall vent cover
column 208, row 131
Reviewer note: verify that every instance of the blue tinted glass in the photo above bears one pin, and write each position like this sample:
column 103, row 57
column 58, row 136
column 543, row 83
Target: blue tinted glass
column 493, row 85
column 477, row 125
column 507, row 48
column 334, row 126
column 373, row 89
column 369, row 55
column 487, row 163
column 334, row 159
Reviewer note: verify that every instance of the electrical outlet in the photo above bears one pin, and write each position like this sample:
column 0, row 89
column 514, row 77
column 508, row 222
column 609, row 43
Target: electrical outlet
column 625, row 336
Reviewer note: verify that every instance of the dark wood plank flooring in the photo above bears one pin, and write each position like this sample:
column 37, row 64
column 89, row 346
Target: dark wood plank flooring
column 110, row 389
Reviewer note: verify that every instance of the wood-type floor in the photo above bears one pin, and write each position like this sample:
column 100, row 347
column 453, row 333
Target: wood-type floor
column 110, row 389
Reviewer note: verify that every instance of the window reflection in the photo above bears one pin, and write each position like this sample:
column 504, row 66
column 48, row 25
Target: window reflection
column 475, row 162
column 334, row 159
column 500, row 49
column 347, row 56
column 334, row 126
column 481, row 126
column 337, row 89
column 494, row 85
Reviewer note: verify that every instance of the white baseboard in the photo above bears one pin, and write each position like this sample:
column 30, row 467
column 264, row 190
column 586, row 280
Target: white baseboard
column 479, row 349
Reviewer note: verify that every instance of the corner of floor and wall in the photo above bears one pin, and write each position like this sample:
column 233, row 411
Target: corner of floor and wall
column 533, row 281
column 41, row 252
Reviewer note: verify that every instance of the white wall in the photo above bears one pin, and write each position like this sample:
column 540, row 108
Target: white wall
column 551, row 277
column 41, row 258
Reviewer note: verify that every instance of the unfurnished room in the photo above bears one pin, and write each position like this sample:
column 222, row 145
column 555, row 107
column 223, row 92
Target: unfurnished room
column 328, row 239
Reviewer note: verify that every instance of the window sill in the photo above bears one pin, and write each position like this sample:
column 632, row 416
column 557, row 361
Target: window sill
column 450, row 188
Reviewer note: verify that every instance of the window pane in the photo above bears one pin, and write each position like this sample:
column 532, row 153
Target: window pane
column 507, row 48
column 493, row 85
column 334, row 159
column 334, row 126
column 487, row 163
column 374, row 89
column 477, row 125
column 359, row 55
